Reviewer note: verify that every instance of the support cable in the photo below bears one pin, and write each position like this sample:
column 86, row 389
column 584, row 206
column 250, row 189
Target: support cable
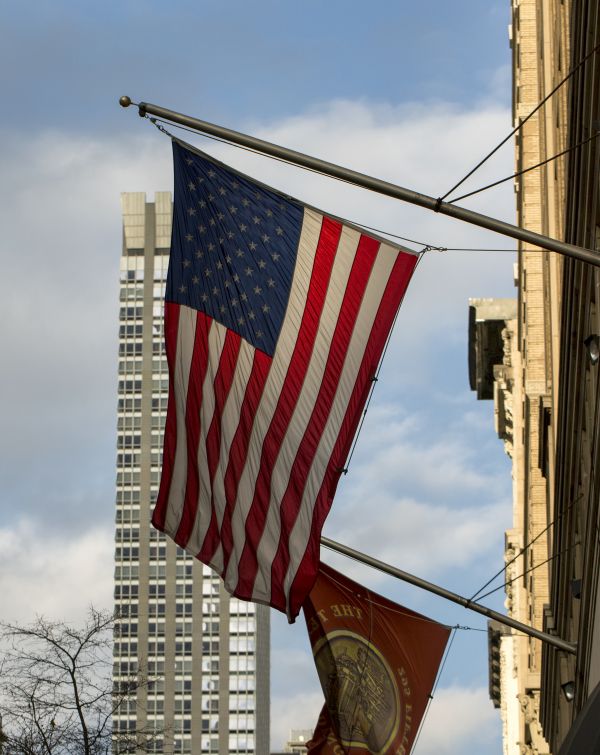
column 526, row 170
column 442, row 592
column 527, row 571
column 524, row 121
column 524, row 549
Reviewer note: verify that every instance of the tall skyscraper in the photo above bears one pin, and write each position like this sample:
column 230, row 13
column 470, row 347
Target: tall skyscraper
column 205, row 655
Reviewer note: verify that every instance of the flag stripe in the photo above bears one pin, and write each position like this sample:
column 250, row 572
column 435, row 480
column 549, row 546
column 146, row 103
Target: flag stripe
column 239, row 447
column 184, row 352
column 244, row 464
column 230, row 421
column 314, row 456
column 284, row 380
column 171, row 327
column 221, row 388
column 301, row 576
column 214, row 344
column 195, row 538
column 277, row 440
column 270, row 366
column 197, row 372
column 323, row 393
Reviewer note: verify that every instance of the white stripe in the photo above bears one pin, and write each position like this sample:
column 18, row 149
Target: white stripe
column 309, row 239
column 338, row 282
column 378, row 280
column 186, row 333
column 216, row 340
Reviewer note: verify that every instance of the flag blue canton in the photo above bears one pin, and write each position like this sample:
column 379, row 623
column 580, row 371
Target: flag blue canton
column 233, row 248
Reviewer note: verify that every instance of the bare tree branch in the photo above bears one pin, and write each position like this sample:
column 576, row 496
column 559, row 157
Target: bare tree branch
column 56, row 691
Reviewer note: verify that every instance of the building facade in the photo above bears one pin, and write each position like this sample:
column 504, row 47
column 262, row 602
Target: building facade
column 547, row 388
column 571, row 684
column 202, row 657
column 522, row 367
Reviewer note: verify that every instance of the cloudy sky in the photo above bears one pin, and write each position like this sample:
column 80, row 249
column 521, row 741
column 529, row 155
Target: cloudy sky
column 414, row 93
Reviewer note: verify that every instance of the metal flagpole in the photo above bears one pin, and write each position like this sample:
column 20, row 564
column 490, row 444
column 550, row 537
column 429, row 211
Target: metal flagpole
column 368, row 182
column 443, row 593
column 413, row 197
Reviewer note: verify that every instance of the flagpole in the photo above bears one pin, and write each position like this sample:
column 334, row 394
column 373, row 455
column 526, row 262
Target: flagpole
column 454, row 597
column 367, row 182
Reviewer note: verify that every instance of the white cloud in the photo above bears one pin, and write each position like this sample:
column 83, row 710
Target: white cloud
column 58, row 577
column 61, row 245
column 299, row 710
column 425, row 505
column 422, row 539
column 460, row 720
column 60, row 250
column 295, row 663
column 398, row 450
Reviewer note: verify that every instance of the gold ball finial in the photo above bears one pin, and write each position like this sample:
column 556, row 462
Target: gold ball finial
column 124, row 101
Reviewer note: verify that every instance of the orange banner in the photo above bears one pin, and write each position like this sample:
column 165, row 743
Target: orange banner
column 377, row 663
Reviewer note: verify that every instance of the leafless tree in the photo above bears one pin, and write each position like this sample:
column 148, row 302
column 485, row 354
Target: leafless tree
column 56, row 693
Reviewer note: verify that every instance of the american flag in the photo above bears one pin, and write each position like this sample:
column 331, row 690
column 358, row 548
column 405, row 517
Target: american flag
column 276, row 317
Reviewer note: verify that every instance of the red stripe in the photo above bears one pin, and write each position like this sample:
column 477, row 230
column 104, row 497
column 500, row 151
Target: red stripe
column 395, row 289
column 222, row 386
column 171, row 327
column 324, row 258
column 198, row 366
column 365, row 257
column 239, row 446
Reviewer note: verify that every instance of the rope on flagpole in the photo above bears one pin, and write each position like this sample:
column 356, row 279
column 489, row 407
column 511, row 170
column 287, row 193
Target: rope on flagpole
column 399, row 610
column 425, row 247
column 159, row 126
column 158, row 121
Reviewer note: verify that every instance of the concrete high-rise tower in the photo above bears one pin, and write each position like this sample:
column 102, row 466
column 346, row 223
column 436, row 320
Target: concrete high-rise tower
column 205, row 655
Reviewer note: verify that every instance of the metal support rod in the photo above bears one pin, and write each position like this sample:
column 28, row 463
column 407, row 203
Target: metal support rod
column 369, row 182
column 443, row 593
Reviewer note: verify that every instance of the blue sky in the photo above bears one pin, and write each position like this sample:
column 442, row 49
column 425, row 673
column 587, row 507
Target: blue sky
column 414, row 93
column 62, row 64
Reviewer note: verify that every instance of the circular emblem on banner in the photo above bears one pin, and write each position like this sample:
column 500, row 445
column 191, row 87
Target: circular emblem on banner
column 361, row 690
